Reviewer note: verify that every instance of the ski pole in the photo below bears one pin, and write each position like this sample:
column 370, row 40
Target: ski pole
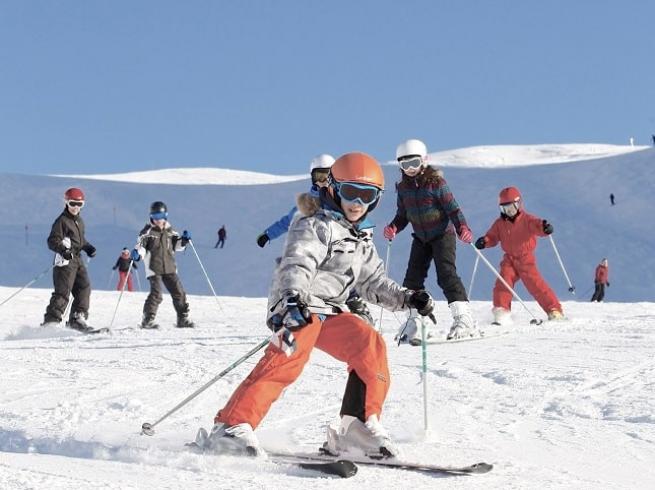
column 127, row 276
column 386, row 269
column 68, row 308
column 475, row 269
column 206, row 277
column 561, row 264
column 534, row 320
column 138, row 281
column 149, row 429
column 45, row 271
column 424, row 369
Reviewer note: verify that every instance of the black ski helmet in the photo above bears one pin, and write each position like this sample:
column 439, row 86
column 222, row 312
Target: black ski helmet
column 158, row 207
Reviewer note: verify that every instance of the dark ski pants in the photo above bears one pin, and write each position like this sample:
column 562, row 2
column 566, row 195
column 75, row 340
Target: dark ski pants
column 599, row 292
column 221, row 242
column 174, row 287
column 441, row 250
column 71, row 278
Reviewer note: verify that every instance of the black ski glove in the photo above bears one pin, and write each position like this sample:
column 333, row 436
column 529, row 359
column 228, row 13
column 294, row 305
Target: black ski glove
column 422, row 301
column 90, row 250
column 114, row 268
column 548, row 228
column 480, row 243
column 263, row 239
column 608, row 284
column 296, row 314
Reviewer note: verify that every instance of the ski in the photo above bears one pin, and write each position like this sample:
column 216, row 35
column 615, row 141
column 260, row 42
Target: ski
column 469, row 339
column 473, row 469
column 334, row 467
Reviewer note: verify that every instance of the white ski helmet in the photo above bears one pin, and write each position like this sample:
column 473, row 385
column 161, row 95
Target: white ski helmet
column 321, row 161
column 411, row 147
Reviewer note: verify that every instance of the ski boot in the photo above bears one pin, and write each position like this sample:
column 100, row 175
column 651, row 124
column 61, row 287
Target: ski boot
column 502, row 317
column 148, row 322
column 410, row 333
column 463, row 324
column 77, row 321
column 184, row 322
column 371, row 438
column 239, row 439
column 555, row 315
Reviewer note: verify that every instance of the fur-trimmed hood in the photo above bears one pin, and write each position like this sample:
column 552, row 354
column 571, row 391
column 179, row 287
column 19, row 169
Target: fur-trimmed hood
column 308, row 204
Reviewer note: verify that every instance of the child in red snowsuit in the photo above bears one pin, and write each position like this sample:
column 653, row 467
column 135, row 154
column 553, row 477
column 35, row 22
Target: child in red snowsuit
column 516, row 231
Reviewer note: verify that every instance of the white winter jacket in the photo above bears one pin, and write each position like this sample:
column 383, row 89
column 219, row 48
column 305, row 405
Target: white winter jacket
column 325, row 257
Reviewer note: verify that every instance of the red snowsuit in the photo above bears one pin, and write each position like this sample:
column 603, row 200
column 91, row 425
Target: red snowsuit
column 518, row 240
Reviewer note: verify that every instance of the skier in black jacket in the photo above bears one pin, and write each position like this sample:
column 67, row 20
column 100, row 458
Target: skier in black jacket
column 123, row 265
column 69, row 274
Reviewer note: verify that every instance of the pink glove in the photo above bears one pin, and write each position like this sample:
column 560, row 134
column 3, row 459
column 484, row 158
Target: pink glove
column 465, row 234
column 390, row 232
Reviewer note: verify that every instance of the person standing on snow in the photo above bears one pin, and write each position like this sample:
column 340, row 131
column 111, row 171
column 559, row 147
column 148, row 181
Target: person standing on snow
column 601, row 279
column 426, row 201
column 123, row 265
column 222, row 234
column 309, row 202
column 156, row 245
column 69, row 274
column 517, row 232
column 325, row 256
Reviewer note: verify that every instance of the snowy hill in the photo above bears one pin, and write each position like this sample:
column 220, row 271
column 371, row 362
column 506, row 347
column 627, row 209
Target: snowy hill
column 562, row 406
column 573, row 196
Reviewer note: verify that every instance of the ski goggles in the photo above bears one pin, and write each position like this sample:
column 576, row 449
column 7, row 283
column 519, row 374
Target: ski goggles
column 509, row 208
column 320, row 175
column 352, row 192
column 411, row 163
column 75, row 204
column 156, row 216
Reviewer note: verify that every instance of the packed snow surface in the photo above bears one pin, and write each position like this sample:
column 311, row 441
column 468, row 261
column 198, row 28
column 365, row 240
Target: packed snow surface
column 493, row 156
column 562, row 405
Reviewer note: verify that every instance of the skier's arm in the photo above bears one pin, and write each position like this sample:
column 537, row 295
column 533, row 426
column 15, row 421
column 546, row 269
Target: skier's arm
column 447, row 201
column 492, row 237
column 56, row 236
column 400, row 221
column 536, row 226
column 281, row 226
column 306, row 248
column 142, row 241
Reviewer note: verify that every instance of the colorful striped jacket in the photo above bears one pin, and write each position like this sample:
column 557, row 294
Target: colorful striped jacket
column 428, row 204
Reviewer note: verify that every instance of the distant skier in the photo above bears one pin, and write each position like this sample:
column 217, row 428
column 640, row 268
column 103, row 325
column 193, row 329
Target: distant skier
column 601, row 279
column 325, row 256
column 653, row 136
column 222, row 233
column 309, row 202
column 517, row 230
column 426, row 201
column 612, row 199
column 69, row 275
column 157, row 245
column 123, row 265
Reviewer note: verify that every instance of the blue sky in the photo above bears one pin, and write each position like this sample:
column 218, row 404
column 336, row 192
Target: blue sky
column 106, row 86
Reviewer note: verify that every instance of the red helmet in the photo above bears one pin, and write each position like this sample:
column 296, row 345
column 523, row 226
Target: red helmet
column 74, row 194
column 509, row 195
column 359, row 168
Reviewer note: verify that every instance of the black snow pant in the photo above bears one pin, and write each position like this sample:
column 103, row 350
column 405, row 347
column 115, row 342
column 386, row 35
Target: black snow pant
column 71, row 278
column 599, row 292
column 174, row 287
column 221, row 242
column 441, row 250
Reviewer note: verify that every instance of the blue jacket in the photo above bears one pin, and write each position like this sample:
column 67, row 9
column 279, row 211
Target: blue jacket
column 281, row 226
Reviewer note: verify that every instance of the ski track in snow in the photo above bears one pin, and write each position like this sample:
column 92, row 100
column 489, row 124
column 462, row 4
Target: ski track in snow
column 561, row 405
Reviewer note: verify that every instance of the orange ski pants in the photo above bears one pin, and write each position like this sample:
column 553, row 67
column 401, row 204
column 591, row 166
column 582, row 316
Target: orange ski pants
column 345, row 337
column 523, row 268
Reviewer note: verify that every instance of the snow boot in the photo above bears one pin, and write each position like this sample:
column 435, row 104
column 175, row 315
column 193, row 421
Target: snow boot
column 410, row 333
column 184, row 322
column 148, row 322
column 502, row 317
column 239, row 439
column 463, row 324
column 50, row 322
column 77, row 321
column 555, row 315
column 371, row 438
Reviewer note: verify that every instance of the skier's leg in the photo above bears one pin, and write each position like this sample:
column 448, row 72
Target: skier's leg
column 502, row 297
column 121, row 280
column 417, row 267
column 274, row 372
column 444, row 255
column 601, row 292
column 130, row 283
column 81, row 293
column 174, row 287
column 596, row 294
column 154, row 299
column 536, row 285
column 63, row 279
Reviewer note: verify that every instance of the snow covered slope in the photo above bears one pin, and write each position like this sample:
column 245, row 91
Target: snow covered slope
column 563, row 406
column 573, row 196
